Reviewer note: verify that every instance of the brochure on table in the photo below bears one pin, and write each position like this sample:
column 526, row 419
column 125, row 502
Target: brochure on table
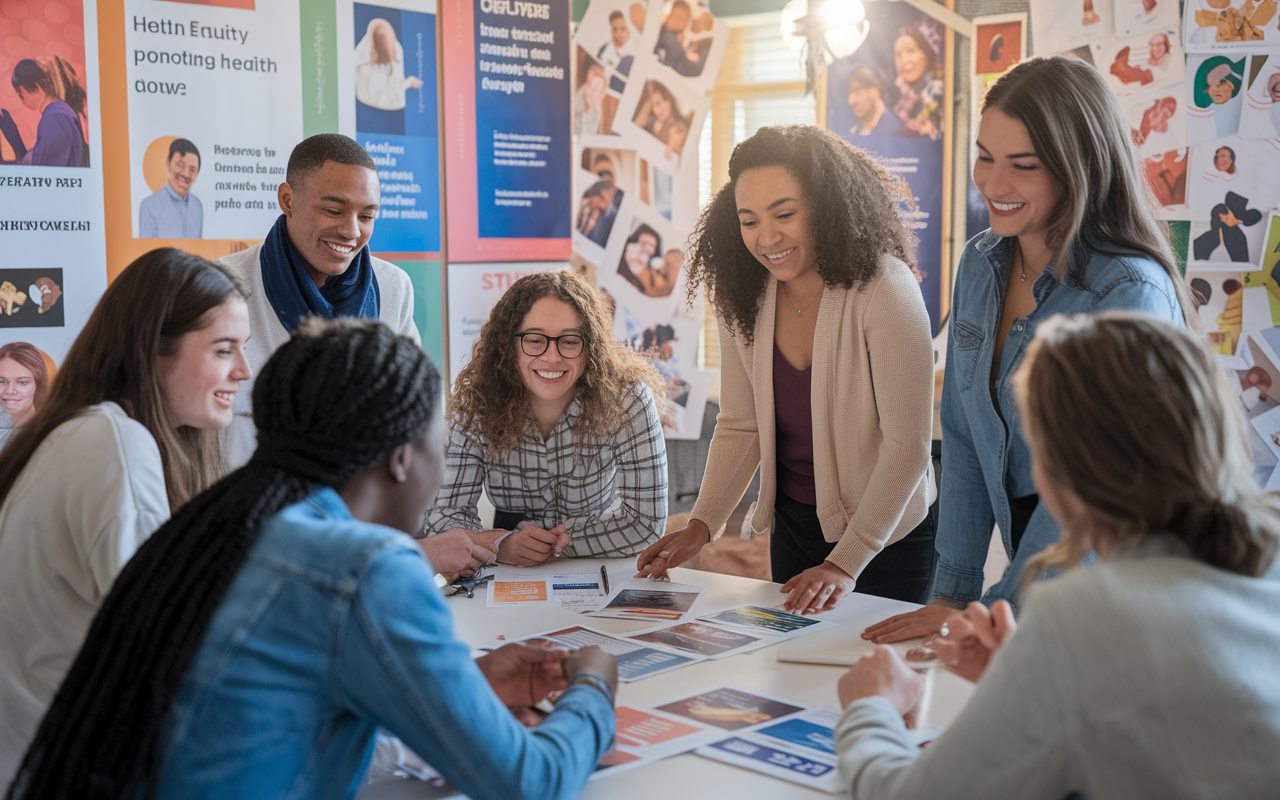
column 635, row 660
column 652, row 601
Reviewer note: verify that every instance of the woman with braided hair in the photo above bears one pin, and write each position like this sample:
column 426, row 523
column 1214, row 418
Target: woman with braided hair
column 255, row 644
column 126, row 435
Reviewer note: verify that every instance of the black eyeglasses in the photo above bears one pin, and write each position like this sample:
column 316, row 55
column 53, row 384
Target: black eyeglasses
column 535, row 344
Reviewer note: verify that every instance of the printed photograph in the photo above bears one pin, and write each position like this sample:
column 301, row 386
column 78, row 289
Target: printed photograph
column 31, row 298
column 610, row 32
column 997, row 46
column 729, row 709
column 1141, row 61
column 660, row 604
column 43, row 103
column 384, row 85
column 762, row 618
column 696, row 637
column 25, row 374
column 598, row 205
column 589, row 97
column 170, row 166
column 1213, row 94
column 1155, row 119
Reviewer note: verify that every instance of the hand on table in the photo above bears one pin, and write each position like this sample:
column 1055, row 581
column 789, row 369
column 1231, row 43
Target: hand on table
column 921, row 622
column 971, row 637
column 882, row 673
column 455, row 553
column 533, row 545
column 522, row 675
column 673, row 550
column 817, row 589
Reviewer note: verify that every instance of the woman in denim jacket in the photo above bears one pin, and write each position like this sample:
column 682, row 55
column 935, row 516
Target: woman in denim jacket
column 1072, row 231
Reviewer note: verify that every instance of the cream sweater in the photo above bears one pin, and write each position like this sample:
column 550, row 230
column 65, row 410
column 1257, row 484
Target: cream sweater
column 872, row 400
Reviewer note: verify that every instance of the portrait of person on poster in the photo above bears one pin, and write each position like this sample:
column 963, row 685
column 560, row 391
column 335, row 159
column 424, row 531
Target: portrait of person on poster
column 1215, row 97
column 50, row 87
column 616, row 52
column 24, row 383
column 868, row 90
column 919, row 79
column 380, row 79
column 588, row 98
column 684, row 40
column 598, row 210
column 173, row 211
column 642, row 266
column 1260, row 118
column 659, row 114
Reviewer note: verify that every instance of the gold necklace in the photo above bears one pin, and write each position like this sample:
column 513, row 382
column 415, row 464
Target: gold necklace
column 798, row 309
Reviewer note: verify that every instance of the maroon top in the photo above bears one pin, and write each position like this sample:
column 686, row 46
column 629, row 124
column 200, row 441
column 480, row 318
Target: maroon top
column 793, row 425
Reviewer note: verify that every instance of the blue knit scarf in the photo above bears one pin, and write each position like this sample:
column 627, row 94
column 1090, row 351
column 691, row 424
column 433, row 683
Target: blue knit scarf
column 293, row 294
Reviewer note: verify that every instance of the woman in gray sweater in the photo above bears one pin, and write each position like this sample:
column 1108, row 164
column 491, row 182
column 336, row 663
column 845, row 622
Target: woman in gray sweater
column 1152, row 673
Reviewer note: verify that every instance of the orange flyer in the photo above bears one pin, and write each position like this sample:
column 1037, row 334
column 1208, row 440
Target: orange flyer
column 520, row 592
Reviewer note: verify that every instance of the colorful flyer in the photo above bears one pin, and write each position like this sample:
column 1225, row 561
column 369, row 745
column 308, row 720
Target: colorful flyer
column 766, row 621
column 706, row 640
column 635, row 661
column 518, row 592
column 800, row 749
column 730, row 709
column 671, row 602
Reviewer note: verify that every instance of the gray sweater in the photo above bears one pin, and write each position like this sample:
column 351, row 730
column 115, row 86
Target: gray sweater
column 1148, row 675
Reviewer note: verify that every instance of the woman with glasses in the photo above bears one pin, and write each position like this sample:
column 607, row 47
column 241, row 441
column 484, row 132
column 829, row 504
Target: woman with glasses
column 560, row 426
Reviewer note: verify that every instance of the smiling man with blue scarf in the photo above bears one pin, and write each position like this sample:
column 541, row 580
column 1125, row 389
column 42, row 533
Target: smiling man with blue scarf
column 315, row 262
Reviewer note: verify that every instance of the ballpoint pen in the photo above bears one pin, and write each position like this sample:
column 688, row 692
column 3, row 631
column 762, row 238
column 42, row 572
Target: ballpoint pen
column 604, row 579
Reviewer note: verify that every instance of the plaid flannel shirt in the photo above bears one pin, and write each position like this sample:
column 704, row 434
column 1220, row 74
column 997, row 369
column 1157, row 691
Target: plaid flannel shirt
column 611, row 496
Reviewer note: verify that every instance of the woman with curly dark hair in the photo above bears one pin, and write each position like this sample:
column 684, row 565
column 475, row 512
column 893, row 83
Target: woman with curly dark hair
column 560, row 425
column 811, row 272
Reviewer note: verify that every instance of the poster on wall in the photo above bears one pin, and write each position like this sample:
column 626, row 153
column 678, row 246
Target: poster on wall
column 508, row 144
column 51, row 211
column 888, row 98
column 1260, row 118
column 206, row 156
column 1230, row 25
column 1064, row 25
column 389, row 104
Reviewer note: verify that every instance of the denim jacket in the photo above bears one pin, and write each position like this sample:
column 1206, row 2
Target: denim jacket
column 332, row 629
column 985, row 461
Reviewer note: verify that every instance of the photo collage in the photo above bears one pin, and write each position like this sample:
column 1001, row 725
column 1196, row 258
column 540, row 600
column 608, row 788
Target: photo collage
column 643, row 74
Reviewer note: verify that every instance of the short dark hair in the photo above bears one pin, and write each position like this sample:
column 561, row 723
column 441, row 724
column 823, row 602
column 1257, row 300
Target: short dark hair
column 182, row 147
column 869, row 78
column 615, row 14
column 599, row 188
column 312, row 152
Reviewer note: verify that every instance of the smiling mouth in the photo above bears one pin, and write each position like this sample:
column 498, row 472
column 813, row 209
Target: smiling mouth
column 1006, row 206
column 779, row 256
column 224, row 396
column 340, row 249
column 551, row 376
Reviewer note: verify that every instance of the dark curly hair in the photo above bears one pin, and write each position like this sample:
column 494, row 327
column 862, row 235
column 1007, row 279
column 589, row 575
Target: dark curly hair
column 490, row 394
column 853, row 211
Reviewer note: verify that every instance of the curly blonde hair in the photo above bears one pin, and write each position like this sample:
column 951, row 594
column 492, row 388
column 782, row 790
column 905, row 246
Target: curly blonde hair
column 490, row 393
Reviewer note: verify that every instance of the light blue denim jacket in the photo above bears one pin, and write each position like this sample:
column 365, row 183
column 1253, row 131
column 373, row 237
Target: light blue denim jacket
column 985, row 461
column 332, row 629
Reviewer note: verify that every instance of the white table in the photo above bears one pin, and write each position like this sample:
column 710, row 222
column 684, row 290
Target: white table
column 690, row 776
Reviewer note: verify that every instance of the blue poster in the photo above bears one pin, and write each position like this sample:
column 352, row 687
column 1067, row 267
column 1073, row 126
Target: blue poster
column 523, row 148
column 776, row 758
column 888, row 98
column 396, row 121
column 804, row 733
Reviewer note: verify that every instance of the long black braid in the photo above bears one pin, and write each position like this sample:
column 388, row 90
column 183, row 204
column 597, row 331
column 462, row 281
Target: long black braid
column 331, row 403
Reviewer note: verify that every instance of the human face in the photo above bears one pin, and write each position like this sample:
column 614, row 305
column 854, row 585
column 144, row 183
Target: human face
column 1273, row 87
column 32, row 98
column 183, row 169
column 661, row 106
column 550, row 378
column 638, row 253
column 862, row 100
column 423, row 477
column 1159, row 47
column 1020, row 192
column 618, row 28
column 1222, row 160
column 604, row 171
column 330, row 216
column 17, row 391
column 676, row 137
column 909, row 59
column 1221, row 91
column 200, row 378
column 773, row 215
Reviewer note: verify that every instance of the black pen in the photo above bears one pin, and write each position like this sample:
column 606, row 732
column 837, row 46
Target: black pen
column 604, row 577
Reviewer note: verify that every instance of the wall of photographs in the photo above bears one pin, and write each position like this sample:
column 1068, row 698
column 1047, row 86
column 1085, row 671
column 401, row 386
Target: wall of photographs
column 643, row 76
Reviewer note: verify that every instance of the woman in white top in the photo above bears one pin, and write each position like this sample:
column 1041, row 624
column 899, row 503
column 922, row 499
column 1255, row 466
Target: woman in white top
column 1151, row 673
column 380, row 79
column 126, row 436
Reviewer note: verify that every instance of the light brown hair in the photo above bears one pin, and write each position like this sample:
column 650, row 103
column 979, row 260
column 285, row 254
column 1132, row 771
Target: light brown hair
column 1082, row 138
column 490, row 394
column 28, row 356
column 146, row 310
column 1133, row 416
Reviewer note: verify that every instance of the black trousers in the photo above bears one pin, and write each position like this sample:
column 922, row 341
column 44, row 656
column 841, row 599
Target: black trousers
column 902, row 571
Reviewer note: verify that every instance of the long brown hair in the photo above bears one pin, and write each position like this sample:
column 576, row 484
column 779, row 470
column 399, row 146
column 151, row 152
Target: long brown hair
column 853, row 213
column 158, row 298
column 1134, row 417
column 1081, row 136
column 490, row 394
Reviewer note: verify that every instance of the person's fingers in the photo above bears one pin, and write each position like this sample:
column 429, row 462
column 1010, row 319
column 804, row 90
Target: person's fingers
column 791, row 584
column 1002, row 617
column 542, row 655
column 803, row 596
column 820, row 601
column 910, row 631
column 892, row 623
column 540, row 535
column 563, row 541
column 651, row 552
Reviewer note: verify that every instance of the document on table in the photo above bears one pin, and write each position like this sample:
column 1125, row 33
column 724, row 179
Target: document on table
column 766, row 621
column 575, row 592
column 518, row 592
column 635, row 660
column 799, row 748
column 711, row 641
column 653, row 601
column 644, row 735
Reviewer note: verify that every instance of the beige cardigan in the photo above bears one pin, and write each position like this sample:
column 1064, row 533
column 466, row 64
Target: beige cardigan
column 872, row 402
